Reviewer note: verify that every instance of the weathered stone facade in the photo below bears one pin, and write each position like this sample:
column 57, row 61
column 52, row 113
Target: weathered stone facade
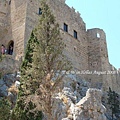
column 88, row 52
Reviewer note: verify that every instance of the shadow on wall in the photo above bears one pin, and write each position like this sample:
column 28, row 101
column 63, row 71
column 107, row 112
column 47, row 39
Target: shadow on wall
column 10, row 47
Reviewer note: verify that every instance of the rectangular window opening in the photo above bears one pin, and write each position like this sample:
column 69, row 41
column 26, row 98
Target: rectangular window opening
column 40, row 11
column 65, row 27
column 9, row 2
column 98, row 35
column 75, row 34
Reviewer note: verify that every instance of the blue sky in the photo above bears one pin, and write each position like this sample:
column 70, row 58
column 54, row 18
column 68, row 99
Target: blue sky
column 104, row 14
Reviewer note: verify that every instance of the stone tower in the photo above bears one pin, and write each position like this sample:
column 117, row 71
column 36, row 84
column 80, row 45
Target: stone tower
column 98, row 58
column 14, row 24
column 4, row 21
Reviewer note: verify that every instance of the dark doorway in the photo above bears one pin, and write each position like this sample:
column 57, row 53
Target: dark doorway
column 10, row 47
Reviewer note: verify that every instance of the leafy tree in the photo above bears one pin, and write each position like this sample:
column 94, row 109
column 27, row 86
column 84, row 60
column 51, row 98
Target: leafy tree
column 4, row 109
column 44, row 66
column 113, row 101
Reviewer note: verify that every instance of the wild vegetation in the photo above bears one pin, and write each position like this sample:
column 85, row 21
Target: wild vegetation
column 113, row 101
column 4, row 109
column 41, row 70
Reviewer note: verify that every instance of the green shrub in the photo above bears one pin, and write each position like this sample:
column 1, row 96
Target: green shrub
column 113, row 101
column 20, row 113
column 4, row 109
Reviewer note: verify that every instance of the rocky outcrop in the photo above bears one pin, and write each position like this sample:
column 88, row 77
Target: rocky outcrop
column 88, row 108
column 8, row 72
column 71, row 105
column 9, row 84
column 9, row 65
column 6, row 82
column 73, row 89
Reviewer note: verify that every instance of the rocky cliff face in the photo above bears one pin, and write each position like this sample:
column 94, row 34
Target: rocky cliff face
column 88, row 108
column 9, row 65
column 5, row 83
column 69, row 104
column 75, row 102
column 73, row 90
column 9, row 79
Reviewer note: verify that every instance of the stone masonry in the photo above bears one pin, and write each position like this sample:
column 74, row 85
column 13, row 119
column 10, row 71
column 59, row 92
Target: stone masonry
column 86, row 49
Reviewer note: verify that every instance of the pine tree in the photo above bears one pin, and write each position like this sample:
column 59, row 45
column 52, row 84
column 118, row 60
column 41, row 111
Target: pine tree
column 21, row 111
column 44, row 66
column 27, row 70
column 113, row 101
column 49, row 61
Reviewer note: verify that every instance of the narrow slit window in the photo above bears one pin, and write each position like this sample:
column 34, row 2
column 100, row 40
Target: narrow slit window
column 75, row 34
column 40, row 11
column 65, row 27
column 9, row 2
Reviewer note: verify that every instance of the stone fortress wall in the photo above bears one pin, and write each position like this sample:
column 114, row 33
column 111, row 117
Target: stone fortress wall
column 3, row 18
column 87, row 52
column 14, row 20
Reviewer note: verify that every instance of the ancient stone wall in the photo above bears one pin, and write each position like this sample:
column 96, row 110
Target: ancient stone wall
column 86, row 52
column 76, row 49
column 13, row 22
column 98, row 59
column 18, row 14
column 115, row 76
column 32, row 18
column 4, row 13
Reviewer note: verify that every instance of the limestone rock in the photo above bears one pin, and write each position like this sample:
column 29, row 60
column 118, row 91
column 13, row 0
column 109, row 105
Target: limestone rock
column 6, row 82
column 89, row 107
column 9, row 65
column 3, row 91
column 70, row 95
column 9, row 79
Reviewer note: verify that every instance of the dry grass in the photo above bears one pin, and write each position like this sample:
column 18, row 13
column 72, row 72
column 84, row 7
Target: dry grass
column 13, row 89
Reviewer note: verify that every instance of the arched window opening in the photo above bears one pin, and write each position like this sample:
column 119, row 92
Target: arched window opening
column 10, row 47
